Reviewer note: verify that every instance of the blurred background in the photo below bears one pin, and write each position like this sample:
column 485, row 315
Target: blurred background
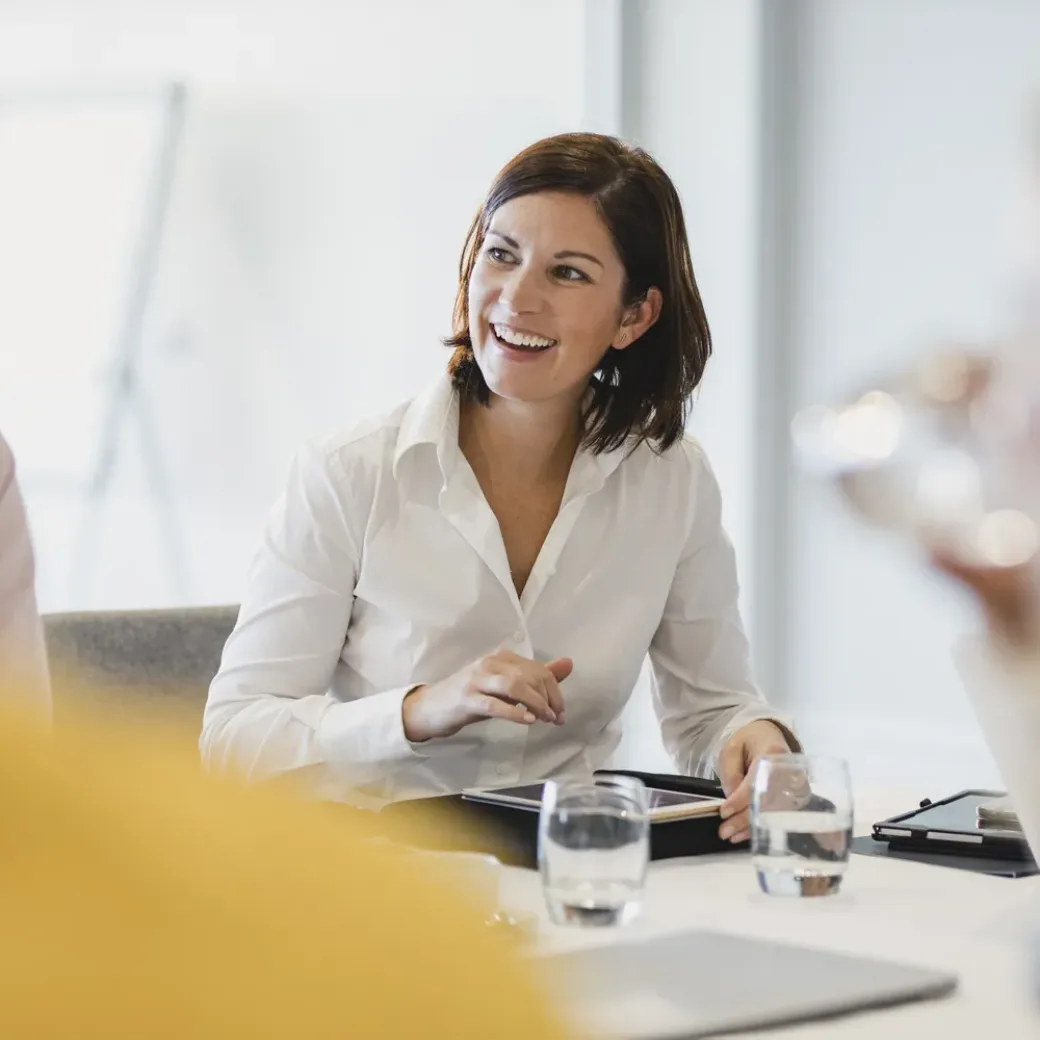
column 226, row 227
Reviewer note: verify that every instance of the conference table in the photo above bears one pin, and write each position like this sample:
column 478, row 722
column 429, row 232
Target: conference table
column 985, row 929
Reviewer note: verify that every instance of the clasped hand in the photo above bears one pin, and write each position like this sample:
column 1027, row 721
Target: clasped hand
column 504, row 685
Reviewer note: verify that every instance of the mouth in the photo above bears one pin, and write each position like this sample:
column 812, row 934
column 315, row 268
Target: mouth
column 517, row 339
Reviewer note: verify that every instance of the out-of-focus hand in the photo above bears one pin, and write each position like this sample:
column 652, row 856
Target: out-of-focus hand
column 502, row 685
column 1006, row 594
column 744, row 748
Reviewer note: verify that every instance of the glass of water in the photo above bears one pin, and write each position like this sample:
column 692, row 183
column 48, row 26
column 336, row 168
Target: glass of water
column 593, row 849
column 801, row 824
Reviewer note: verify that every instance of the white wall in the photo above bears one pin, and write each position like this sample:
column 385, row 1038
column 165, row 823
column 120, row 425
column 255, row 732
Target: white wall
column 690, row 82
column 333, row 157
column 904, row 145
column 909, row 136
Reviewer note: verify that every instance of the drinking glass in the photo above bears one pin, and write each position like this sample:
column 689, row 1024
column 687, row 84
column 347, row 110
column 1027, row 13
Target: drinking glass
column 593, row 849
column 801, row 824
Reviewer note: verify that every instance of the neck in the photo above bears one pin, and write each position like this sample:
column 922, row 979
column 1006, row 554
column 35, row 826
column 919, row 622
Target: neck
column 536, row 442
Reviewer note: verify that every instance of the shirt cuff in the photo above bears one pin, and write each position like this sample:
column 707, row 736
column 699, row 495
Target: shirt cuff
column 745, row 716
column 369, row 732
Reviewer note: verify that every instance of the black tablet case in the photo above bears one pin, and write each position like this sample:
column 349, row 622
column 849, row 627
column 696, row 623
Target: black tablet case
column 511, row 833
column 867, row 845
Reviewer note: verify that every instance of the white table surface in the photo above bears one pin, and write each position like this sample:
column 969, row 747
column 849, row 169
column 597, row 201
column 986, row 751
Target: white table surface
column 977, row 926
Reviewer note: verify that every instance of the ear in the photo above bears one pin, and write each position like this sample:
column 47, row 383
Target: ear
column 638, row 318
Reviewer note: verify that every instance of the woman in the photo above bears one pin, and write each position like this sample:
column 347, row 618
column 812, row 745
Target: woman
column 461, row 593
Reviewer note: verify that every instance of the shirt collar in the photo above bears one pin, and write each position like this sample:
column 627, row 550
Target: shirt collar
column 591, row 471
column 433, row 418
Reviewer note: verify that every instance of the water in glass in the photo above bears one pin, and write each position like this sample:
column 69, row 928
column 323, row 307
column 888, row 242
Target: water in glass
column 801, row 853
column 801, row 824
column 593, row 850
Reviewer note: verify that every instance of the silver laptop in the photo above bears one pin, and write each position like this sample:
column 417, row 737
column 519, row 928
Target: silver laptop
column 703, row 983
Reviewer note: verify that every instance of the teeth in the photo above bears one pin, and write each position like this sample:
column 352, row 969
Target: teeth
column 521, row 339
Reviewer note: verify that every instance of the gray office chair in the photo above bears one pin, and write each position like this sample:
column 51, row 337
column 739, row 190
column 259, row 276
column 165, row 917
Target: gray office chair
column 139, row 663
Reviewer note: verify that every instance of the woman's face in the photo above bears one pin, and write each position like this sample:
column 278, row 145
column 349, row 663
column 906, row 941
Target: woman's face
column 545, row 299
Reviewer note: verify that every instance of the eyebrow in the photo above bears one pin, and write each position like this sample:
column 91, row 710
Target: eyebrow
column 565, row 254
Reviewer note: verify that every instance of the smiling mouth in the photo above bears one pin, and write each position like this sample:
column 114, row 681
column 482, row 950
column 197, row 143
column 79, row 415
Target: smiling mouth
column 515, row 340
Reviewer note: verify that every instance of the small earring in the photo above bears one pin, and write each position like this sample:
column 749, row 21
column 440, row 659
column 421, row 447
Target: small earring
column 623, row 339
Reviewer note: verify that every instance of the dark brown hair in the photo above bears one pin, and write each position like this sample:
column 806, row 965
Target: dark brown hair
column 643, row 391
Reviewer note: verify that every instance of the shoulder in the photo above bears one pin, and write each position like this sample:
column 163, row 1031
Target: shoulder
column 682, row 484
column 367, row 444
column 342, row 468
column 12, row 512
column 6, row 466
column 684, row 462
column 333, row 478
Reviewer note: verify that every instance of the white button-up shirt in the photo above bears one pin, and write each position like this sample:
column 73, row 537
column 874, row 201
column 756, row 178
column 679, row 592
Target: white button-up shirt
column 383, row 567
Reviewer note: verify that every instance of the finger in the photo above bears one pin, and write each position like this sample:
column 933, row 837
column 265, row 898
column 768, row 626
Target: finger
column 553, row 696
column 491, row 707
column 552, row 693
column 736, row 825
column 1003, row 591
column 561, row 668
column 731, row 766
column 739, row 800
column 515, row 685
column 558, row 669
column 539, row 678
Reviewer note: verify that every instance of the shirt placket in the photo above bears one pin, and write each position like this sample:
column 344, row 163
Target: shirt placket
column 464, row 506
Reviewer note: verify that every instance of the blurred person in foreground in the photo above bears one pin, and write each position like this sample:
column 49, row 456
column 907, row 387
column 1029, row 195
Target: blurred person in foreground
column 23, row 655
column 1002, row 672
column 1002, row 675
column 462, row 592
column 142, row 899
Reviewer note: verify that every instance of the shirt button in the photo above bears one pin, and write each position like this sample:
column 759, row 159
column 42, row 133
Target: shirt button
column 518, row 637
column 502, row 770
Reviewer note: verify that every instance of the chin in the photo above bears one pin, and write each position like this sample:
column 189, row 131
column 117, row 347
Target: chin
column 528, row 380
column 521, row 386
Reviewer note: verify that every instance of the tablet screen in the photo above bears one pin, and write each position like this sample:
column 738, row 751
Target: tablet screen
column 960, row 816
column 531, row 794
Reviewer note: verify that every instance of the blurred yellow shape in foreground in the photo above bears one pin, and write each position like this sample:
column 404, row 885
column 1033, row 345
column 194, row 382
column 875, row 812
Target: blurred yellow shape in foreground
column 139, row 898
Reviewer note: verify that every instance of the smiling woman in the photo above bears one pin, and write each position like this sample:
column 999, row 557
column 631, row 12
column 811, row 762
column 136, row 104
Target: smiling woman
column 582, row 240
column 461, row 593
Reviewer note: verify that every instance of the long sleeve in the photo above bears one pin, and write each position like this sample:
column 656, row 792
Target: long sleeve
column 270, row 710
column 23, row 653
column 703, row 688
column 1004, row 687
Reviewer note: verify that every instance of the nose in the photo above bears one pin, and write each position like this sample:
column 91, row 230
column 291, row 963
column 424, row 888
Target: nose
column 521, row 292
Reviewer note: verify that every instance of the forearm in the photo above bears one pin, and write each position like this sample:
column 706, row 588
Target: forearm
column 355, row 743
column 694, row 739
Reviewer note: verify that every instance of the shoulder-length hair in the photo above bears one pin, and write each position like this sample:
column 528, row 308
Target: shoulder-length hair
column 644, row 391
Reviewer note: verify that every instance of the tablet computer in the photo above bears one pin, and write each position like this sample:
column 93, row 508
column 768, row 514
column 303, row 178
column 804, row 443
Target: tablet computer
column 664, row 805
column 960, row 823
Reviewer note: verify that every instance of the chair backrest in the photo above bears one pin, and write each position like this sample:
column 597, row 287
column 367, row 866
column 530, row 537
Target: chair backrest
column 138, row 662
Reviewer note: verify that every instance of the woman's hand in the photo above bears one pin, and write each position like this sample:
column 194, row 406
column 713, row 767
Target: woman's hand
column 502, row 685
column 748, row 744
column 1006, row 595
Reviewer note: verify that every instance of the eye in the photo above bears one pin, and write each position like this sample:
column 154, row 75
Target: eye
column 498, row 255
column 566, row 273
